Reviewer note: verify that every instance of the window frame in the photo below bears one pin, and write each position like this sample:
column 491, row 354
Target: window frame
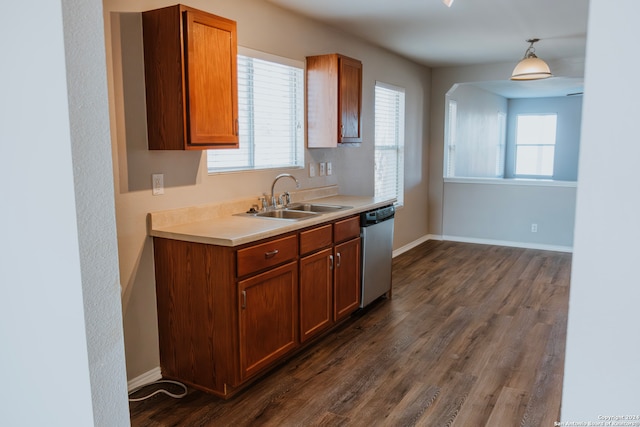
column 516, row 145
column 297, row 146
column 399, row 143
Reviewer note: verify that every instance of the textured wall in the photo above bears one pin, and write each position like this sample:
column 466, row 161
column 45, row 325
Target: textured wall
column 93, row 179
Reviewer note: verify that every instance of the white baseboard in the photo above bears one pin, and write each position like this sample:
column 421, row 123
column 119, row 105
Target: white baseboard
column 526, row 245
column 412, row 245
column 146, row 378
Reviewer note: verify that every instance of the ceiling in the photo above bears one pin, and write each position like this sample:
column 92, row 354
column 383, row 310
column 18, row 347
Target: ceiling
column 469, row 32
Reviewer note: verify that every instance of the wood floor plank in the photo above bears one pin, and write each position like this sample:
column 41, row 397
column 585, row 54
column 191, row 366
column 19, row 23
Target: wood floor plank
column 509, row 407
column 473, row 336
column 452, row 397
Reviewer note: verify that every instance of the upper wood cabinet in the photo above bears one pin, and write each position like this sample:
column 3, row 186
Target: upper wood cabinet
column 191, row 79
column 334, row 100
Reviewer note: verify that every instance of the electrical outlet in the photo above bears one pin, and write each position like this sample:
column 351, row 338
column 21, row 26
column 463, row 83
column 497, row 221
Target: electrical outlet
column 534, row 228
column 312, row 170
column 157, row 184
column 329, row 169
column 323, row 168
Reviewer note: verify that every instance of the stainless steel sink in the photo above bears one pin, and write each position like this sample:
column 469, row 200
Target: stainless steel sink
column 280, row 214
column 316, row 207
column 286, row 214
column 295, row 211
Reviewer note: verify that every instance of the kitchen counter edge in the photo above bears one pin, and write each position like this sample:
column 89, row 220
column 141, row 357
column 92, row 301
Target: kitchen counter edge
column 232, row 230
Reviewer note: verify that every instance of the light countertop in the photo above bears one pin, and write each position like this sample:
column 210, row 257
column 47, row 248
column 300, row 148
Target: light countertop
column 217, row 224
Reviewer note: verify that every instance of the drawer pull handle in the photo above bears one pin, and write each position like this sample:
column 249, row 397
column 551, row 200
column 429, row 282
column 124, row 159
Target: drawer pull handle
column 330, row 262
column 270, row 254
column 244, row 299
column 339, row 259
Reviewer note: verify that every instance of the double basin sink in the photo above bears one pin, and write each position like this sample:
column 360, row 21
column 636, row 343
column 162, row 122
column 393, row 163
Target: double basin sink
column 296, row 211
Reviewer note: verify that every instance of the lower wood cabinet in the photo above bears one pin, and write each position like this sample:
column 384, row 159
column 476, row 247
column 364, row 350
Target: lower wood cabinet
column 316, row 293
column 346, row 279
column 227, row 314
column 268, row 317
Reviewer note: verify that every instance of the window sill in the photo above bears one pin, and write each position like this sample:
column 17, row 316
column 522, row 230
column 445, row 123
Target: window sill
column 513, row 181
column 232, row 171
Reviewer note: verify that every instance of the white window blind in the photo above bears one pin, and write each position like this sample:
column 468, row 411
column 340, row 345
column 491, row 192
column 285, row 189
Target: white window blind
column 271, row 117
column 389, row 141
column 451, row 138
column 535, row 144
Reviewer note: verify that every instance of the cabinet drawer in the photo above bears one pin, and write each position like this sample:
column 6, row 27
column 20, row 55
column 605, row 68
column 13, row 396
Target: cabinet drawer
column 346, row 229
column 314, row 239
column 265, row 255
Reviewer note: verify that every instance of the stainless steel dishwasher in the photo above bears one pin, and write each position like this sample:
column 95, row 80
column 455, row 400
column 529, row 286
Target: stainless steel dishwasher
column 376, row 230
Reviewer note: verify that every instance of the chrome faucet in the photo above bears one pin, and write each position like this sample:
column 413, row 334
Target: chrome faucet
column 282, row 175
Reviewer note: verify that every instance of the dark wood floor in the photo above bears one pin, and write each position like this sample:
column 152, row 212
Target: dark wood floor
column 473, row 336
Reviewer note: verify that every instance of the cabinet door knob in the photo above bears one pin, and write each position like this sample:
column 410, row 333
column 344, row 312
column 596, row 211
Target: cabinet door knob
column 339, row 259
column 330, row 262
column 244, row 299
column 270, row 254
column 237, row 127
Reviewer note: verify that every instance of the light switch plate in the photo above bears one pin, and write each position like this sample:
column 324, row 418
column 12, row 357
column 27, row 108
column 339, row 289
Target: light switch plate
column 323, row 168
column 329, row 169
column 312, row 170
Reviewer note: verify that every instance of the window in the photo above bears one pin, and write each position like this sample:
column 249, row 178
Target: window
column 451, row 138
column 475, row 139
column 488, row 136
column 535, row 144
column 271, row 115
column 389, row 142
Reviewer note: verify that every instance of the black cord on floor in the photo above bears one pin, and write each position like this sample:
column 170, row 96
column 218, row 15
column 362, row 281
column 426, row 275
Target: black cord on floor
column 160, row 390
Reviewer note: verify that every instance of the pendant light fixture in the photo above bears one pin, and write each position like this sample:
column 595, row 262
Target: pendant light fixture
column 531, row 67
column 448, row 3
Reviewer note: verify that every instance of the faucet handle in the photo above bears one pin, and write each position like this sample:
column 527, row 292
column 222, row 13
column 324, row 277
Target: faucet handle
column 286, row 197
column 263, row 203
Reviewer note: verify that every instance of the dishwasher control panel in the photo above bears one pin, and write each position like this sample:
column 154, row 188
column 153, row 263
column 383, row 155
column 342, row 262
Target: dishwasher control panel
column 377, row 215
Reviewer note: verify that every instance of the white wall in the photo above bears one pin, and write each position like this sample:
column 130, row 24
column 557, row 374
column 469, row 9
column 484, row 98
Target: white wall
column 502, row 212
column 50, row 363
column 602, row 368
column 264, row 27
column 460, row 212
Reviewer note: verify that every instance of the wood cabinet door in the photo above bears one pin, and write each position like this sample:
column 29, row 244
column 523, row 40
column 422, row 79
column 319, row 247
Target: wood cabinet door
column 212, row 105
column 350, row 100
column 268, row 308
column 315, row 293
column 346, row 278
